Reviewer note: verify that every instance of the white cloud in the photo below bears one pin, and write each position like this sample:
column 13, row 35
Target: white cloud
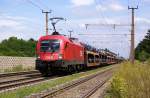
column 82, row 2
column 142, row 20
column 101, row 8
column 13, row 23
column 9, row 23
column 116, row 7
column 146, row 0
column 111, row 20
column 110, row 7
column 21, row 27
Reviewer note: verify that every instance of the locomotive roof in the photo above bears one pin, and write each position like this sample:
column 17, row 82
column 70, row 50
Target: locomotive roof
column 54, row 37
column 62, row 37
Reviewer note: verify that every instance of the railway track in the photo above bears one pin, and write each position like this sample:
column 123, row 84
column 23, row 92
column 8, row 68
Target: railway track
column 94, row 89
column 60, row 92
column 20, row 79
column 17, row 73
column 12, row 81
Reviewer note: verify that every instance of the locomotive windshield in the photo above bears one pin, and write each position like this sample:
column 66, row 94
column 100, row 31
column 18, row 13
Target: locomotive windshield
column 50, row 45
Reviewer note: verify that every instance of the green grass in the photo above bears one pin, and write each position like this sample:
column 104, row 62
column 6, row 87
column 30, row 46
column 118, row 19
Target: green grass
column 148, row 61
column 130, row 81
column 25, row 91
column 16, row 68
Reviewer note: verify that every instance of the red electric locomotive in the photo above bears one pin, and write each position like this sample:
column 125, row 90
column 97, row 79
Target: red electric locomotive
column 58, row 52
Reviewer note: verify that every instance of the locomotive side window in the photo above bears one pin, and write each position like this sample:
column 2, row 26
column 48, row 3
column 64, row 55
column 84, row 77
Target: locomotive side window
column 50, row 46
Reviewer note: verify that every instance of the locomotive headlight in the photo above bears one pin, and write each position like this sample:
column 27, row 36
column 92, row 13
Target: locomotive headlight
column 38, row 56
column 60, row 56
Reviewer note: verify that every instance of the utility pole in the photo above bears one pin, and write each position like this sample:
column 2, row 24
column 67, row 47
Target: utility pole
column 132, row 52
column 46, row 17
column 70, row 31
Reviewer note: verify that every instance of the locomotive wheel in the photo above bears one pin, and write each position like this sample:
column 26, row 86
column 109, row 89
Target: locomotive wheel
column 81, row 67
column 84, row 67
column 44, row 72
column 70, row 69
column 78, row 68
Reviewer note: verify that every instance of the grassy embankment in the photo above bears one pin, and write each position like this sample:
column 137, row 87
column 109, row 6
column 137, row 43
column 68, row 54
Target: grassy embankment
column 131, row 81
column 25, row 91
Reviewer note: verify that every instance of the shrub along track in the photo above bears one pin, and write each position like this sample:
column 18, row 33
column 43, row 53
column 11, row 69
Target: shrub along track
column 82, row 88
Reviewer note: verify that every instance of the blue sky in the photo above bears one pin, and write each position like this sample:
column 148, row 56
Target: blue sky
column 24, row 20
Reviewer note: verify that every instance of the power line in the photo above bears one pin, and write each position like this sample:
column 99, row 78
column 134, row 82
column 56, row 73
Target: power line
column 34, row 4
column 100, row 4
column 112, row 25
column 125, row 34
column 108, row 42
column 46, row 13
column 43, row 4
column 132, row 3
column 104, row 34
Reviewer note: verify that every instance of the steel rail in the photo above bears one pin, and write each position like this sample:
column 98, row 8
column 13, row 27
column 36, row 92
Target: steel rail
column 17, row 73
column 69, row 86
column 94, row 89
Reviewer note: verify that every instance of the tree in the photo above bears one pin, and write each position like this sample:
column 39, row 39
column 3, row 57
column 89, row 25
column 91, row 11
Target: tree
column 143, row 56
column 17, row 47
column 142, row 51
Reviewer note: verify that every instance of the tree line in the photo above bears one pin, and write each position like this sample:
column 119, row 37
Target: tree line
column 142, row 51
column 18, row 47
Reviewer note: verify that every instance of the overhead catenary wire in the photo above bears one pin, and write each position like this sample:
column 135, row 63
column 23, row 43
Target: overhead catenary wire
column 44, row 5
column 105, row 34
column 34, row 4
column 46, row 12
column 106, row 22
column 109, row 42
column 132, row 3
column 100, row 4
column 109, row 34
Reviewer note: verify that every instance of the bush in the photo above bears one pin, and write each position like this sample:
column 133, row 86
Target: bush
column 117, row 89
column 131, row 81
column 148, row 61
column 143, row 56
column 17, row 47
column 17, row 68
column 142, row 51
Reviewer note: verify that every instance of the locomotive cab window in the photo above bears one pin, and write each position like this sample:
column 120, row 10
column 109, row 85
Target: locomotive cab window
column 50, row 46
